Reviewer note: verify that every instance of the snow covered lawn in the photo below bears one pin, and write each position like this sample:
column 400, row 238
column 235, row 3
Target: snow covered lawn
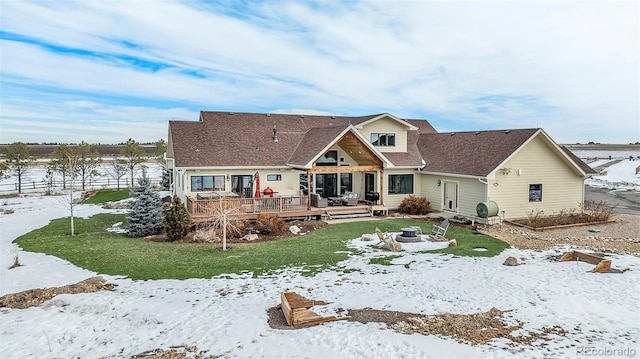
column 228, row 315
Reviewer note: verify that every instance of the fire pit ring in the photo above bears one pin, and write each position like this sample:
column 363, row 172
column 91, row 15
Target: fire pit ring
column 408, row 235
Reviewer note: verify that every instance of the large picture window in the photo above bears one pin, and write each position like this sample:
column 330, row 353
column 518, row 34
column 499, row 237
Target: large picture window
column 400, row 184
column 535, row 192
column 207, row 183
column 383, row 139
column 329, row 159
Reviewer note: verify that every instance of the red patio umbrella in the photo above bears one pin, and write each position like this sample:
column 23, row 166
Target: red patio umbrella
column 257, row 177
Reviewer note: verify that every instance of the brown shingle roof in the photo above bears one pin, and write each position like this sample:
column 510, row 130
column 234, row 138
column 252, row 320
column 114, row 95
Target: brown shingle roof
column 585, row 167
column 423, row 126
column 246, row 139
column 470, row 153
column 412, row 157
column 222, row 139
column 313, row 142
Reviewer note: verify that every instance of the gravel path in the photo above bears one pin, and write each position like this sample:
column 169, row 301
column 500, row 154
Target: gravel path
column 620, row 236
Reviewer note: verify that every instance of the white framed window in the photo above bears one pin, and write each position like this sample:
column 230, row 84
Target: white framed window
column 400, row 184
column 535, row 192
column 274, row 177
column 207, row 183
column 383, row 139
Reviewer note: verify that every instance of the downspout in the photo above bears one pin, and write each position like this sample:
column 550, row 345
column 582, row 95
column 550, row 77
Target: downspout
column 486, row 188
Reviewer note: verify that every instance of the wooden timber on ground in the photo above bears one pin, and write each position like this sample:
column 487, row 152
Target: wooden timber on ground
column 297, row 313
column 602, row 265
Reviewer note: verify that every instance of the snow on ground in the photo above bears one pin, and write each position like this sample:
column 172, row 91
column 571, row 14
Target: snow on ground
column 227, row 315
column 33, row 181
column 621, row 175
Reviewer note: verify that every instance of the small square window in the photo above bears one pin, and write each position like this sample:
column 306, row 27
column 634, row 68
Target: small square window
column 535, row 192
column 274, row 177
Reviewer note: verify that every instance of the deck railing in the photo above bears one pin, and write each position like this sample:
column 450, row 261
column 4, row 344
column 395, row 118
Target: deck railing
column 208, row 207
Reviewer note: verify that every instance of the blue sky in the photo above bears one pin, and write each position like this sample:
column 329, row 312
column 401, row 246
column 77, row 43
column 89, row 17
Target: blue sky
column 106, row 71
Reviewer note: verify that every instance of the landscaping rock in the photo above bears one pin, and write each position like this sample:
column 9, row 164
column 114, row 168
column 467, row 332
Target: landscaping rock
column 294, row 229
column 250, row 237
column 453, row 243
column 511, row 262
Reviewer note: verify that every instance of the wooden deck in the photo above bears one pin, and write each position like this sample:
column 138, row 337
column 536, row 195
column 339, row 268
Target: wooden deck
column 285, row 207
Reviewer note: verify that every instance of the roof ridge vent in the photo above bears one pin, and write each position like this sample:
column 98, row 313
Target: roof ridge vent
column 506, row 132
column 453, row 133
column 268, row 115
column 477, row 132
column 231, row 113
column 301, row 116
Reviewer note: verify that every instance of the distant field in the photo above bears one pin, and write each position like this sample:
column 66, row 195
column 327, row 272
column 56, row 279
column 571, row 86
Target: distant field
column 44, row 151
column 604, row 147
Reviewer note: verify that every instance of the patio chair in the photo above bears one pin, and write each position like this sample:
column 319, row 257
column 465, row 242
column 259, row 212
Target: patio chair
column 387, row 241
column 350, row 199
column 438, row 231
column 317, row 201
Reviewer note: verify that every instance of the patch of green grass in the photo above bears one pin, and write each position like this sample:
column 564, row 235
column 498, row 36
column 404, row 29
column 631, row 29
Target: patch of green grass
column 95, row 249
column 385, row 261
column 108, row 195
column 468, row 240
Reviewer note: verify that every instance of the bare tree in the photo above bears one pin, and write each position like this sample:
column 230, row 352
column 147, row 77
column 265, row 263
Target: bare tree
column 117, row 170
column 18, row 160
column 59, row 162
column 68, row 199
column 87, row 162
column 160, row 150
column 133, row 156
column 4, row 170
column 222, row 217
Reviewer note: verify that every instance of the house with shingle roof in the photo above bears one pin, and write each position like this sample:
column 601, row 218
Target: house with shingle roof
column 381, row 158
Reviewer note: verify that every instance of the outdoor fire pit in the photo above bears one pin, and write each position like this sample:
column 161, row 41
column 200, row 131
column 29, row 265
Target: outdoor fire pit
column 408, row 235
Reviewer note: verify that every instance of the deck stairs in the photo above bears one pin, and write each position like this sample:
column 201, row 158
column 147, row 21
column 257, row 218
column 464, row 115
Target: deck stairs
column 346, row 212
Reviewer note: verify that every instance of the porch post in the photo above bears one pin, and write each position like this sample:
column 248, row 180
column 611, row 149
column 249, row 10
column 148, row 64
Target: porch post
column 308, row 191
column 381, row 185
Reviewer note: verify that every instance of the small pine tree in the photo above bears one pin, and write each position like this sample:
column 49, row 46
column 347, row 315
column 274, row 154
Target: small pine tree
column 176, row 220
column 165, row 180
column 145, row 217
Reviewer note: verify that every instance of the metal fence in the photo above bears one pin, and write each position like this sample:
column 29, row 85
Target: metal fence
column 57, row 185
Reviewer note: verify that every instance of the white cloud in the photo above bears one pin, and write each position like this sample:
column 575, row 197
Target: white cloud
column 73, row 122
column 577, row 61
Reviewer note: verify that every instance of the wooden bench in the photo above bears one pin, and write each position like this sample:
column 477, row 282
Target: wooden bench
column 297, row 313
column 602, row 265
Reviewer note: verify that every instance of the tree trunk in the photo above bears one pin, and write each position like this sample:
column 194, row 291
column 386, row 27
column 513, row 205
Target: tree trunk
column 71, row 204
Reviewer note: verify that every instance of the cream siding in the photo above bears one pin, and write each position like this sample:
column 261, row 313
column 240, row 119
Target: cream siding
column 470, row 192
column 387, row 125
column 288, row 186
column 537, row 163
column 393, row 200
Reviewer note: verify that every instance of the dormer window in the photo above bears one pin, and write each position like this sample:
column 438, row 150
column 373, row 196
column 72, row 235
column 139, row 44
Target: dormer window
column 383, row 139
